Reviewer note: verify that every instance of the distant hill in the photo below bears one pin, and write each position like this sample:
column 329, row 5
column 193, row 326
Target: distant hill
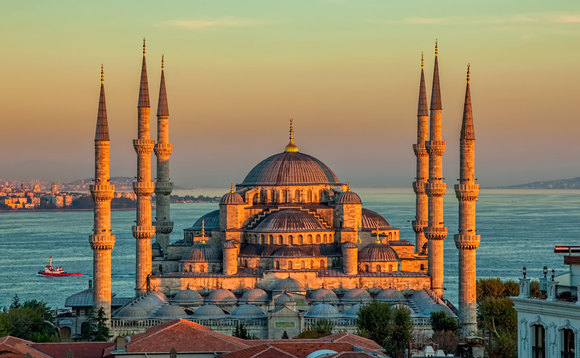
column 572, row 183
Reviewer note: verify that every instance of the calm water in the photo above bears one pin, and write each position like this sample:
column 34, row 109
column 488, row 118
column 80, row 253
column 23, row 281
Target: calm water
column 517, row 227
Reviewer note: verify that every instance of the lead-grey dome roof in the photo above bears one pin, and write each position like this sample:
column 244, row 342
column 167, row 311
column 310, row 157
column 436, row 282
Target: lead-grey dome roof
column 284, row 299
column 203, row 253
column 369, row 220
column 389, row 295
column 289, row 285
column 187, row 297
column 247, row 312
column 255, row 295
column 170, row 312
column 322, row 310
column 290, row 168
column 211, row 221
column 323, row 295
column 132, row 311
column 209, row 312
column 377, row 252
column 221, row 296
column 356, row 295
column 289, row 220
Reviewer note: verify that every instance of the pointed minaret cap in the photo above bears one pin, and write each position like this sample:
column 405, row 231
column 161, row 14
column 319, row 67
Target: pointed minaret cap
column 102, row 131
column 422, row 110
column 467, row 131
column 436, row 90
column 291, row 147
column 162, row 107
column 144, row 87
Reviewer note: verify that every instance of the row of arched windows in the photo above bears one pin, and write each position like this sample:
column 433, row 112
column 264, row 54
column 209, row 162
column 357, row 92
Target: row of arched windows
column 268, row 196
column 377, row 268
column 265, row 239
column 289, row 264
column 567, row 339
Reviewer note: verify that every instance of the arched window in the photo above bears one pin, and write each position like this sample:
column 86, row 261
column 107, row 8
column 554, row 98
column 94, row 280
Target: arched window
column 271, row 239
column 366, row 268
column 277, row 265
column 297, row 196
column 309, row 196
column 325, row 237
column 390, row 236
column 303, row 264
column 201, row 269
column 309, row 241
column 262, row 239
column 318, row 238
column 280, row 240
column 245, row 263
column 568, row 344
column 378, row 268
column 538, row 341
column 286, row 196
column 160, row 268
column 311, row 264
column 422, row 267
column 322, row 265
column 290, row 266
column 255, row 199
column 291, row 239
column 390, row 268
column 300, row 239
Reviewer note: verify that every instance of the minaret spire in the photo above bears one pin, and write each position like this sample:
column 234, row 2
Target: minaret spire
column 467, row 240
column 421, row 201
column 435, row 188
column 291, row 147
column 143, row 230
column 101, row 241
column 163, row 149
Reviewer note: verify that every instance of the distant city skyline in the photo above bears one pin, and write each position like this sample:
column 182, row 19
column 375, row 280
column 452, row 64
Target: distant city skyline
column 346, row 71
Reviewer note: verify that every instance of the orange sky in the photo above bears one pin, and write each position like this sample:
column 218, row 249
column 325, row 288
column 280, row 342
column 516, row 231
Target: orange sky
column 346, row 71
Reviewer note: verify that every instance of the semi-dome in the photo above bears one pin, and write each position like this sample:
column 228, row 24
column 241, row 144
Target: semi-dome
column 201, row 252
column 170, row 312
column 288, row 284
column 378, row 252
column 187, row 297
column 232, row 198
column 322, row 310
column 323, row 295
column 289, row 220
column 131, row 312
column 221, row 296
column 290, row 168
column 209, row 312
column 255, row 295
column 348, row 197
column 284, row 299
column 349, row 245
column 211, row 221
column 289, row 251
column 389, row 295
column 370, row 218
column 356, row 295
column 247, row 311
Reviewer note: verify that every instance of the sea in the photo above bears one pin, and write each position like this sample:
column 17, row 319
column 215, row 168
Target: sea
column 518, row 228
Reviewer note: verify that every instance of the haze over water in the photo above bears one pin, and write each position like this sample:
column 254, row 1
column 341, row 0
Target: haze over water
column 517, row 227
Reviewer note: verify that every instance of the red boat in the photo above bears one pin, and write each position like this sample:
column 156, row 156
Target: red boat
column 50, row 270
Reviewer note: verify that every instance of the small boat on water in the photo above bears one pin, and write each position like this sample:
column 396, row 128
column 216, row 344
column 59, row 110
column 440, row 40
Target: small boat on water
column 50, row 270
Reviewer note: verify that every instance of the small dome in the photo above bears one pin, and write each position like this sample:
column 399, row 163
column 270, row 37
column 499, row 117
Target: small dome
column 230, row 244
column 290, row 168
column 369, row 220
column 389, row 295
column 247, row 312
column 289, row 285
column 209, row 312
column 203, row 253
column 349, row 245
column 289, row 251
column 289, row 220
column 378, row 252
column 170, row 312
column 221, row 296
column 348, row 197
column 232, row 199
column 323, row 295
column 356, row 295
column 322, row 310
column 158, row 296
column 255, row 295
column 131, row 312
column 353, row 311
column 187, row 297
column 284, row 299
column 211, row 221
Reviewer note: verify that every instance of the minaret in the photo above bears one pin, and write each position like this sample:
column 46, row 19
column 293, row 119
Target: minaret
column 163, row 187
column 143, row 231
column 435, row 232
column 102, row 242
column 421, row 213
column 467, row 240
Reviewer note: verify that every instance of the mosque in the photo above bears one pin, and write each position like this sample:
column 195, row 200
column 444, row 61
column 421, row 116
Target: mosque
column 289, row 245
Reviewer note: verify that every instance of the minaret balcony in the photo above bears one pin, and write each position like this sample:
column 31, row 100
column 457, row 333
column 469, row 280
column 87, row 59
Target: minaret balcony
column 143, row 146
column 435, row 147
column 420, row 150
column 102, row 192
column 102, row 242
column 143, row 232
column 419, row 187
column 419, row 225
column 163, row 187
column 435, row 233
column 435, row 189
column 163, row 150
column 467, row 192
column 467, row 241
column 143, row 188
column 164, row 227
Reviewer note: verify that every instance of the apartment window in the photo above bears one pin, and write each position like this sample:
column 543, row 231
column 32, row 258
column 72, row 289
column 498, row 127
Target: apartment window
column 539, row 342
column 568, row 347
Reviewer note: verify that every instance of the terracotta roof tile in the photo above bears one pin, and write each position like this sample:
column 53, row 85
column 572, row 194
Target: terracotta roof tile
column 78, row 349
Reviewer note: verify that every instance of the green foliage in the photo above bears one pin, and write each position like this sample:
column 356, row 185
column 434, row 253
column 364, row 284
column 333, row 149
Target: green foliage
column 322, row 328
column 535, row 289
column 95, row 328
column 512, row 288
column 442, row 322
column 390, row 327
column 32, row 320
column 242, row 332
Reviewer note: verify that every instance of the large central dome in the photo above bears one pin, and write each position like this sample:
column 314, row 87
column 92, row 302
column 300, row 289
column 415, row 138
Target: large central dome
column 290, row 168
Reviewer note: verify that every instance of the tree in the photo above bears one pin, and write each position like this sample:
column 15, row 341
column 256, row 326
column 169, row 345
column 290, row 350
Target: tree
column 441, row 321
column 390, row 327
column 242, row 332
column 95, row 328
column 102, row 332
column 321, row 328
column 32, row 320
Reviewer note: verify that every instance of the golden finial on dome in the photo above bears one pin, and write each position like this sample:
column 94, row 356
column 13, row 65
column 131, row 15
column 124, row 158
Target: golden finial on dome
column 378, row 240
column 232, row 189
column 291, row 147
column 102, row 75
column 468, row 65
column 162, row 62
column 347, row 186
column 422, row 61
column 203, row 231
column 436, row 51
column 143, row 46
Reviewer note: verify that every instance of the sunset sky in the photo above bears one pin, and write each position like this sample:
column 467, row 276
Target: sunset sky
column 347, row 71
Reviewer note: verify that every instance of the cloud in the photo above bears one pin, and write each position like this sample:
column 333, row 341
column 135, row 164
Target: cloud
column 227, row 21
column 487, row 20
